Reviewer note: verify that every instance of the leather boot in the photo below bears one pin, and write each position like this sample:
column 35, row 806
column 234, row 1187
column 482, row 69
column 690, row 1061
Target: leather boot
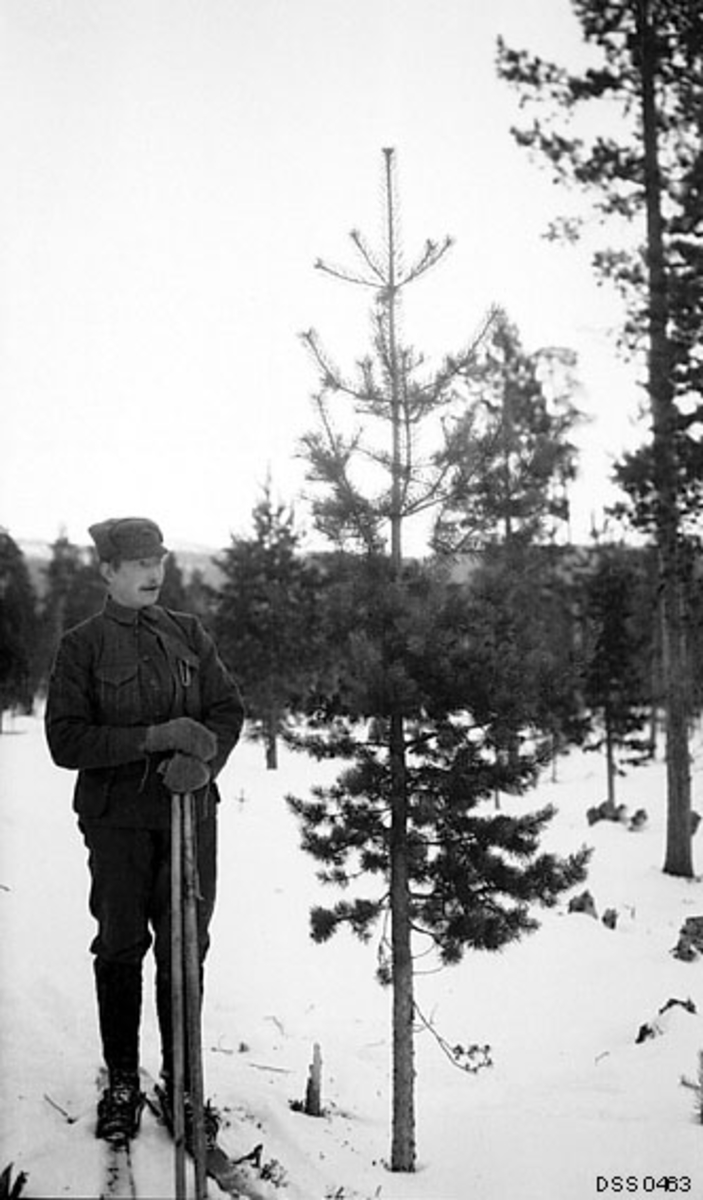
column 119, row 994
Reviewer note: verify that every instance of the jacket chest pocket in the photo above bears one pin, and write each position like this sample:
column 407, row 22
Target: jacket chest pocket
column 186, row 667
column 118, row 693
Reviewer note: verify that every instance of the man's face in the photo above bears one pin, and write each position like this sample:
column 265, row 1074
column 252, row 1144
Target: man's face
column 136, row 582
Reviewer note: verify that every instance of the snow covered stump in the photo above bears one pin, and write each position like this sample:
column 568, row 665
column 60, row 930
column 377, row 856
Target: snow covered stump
column 313, row 1091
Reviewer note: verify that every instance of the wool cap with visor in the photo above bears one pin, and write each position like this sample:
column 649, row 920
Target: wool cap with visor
column 127, row 538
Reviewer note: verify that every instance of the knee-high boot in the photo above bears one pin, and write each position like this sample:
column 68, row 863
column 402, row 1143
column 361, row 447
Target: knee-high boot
column 119, row 995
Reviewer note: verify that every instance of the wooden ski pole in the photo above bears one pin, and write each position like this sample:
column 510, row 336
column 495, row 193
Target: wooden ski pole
column 193, row 996
column 177, row 997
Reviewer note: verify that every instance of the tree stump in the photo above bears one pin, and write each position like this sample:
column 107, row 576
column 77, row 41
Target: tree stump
column 313, row 1091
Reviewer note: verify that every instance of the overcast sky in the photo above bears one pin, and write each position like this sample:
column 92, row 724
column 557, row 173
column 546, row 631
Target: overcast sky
column 171, row 171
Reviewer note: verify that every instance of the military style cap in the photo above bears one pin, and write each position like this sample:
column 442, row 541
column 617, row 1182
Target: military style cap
column 127, row 538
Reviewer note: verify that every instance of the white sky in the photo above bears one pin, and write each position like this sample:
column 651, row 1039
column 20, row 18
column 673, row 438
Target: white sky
column 171, row 171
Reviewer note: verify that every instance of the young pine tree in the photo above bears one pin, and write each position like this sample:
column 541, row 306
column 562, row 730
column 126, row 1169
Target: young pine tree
column 17, row 628
column 173, row 592
column 74, row 591
column 264, row 620
column 617, row 679
column 510, row 453
column 413, row 707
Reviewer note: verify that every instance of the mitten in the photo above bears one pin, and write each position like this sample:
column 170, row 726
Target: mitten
column 184, row 773
column 183, row 733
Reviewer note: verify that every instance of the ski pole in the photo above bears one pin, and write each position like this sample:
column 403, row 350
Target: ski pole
column 177, row 999
column 193, row 996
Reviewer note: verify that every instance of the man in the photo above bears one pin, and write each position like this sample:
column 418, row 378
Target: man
column 142, row 706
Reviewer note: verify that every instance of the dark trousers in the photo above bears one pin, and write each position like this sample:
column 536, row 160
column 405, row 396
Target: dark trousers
column 130, row 898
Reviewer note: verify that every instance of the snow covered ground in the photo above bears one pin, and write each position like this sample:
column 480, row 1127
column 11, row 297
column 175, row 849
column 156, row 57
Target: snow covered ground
column 571, row 1102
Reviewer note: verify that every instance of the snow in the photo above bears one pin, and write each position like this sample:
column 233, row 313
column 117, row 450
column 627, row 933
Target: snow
column 570, row 1103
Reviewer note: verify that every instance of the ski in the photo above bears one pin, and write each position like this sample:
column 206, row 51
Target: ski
column 118, row 1173
column 237, row 1177
column 118, row 1176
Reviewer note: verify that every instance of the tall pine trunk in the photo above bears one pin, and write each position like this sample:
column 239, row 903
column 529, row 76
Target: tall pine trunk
column 403, row 1124
column 385, row 393
column 403, row 1117
column 678, row 859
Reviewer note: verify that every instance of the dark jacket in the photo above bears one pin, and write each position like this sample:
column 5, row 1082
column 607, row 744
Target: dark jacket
column 113, row 676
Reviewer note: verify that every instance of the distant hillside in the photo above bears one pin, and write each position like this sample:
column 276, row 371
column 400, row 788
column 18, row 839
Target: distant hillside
column 190, row 559
column 199, row 559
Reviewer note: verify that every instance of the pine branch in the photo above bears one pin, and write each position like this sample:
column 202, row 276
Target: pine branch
column 433, row 253
column 368, row 255
column 433, row 495
column 345, row 276
column 470, row 1059
column 456, row 365
column 330, row 374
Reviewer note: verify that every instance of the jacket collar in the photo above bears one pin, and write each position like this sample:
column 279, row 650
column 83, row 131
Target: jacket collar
column 131, row 616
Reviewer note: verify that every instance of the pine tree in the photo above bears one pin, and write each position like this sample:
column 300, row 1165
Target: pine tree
column 407, row 808
column 512, row 462
column 173, row 592
column 74, row 591
column 264, row 620
column 510, row 452
column 200, row 597
column 388, row 393
column 17, row 628
column 617, row 655
column 652, row 74
column 695, row 604
column 474, row 876
column 524, row 598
